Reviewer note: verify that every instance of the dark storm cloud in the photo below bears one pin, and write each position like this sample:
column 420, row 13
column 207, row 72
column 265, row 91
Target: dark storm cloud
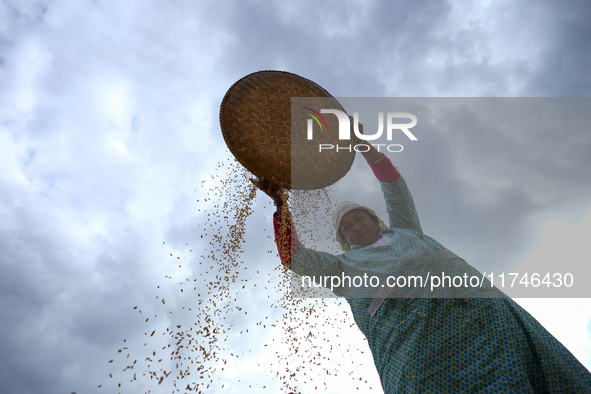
column 562, row 69
column 401, row 48
column 58, row 298
column 346, row 47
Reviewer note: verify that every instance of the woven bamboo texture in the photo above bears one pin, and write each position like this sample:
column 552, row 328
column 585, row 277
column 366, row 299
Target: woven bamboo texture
column 256, row 118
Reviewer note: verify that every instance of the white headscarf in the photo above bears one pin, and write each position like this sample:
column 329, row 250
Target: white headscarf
column 341, row 210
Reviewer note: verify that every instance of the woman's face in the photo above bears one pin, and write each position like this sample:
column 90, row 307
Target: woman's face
column 358, row 228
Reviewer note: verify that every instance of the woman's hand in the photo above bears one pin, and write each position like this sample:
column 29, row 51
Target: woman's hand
column 272, row 188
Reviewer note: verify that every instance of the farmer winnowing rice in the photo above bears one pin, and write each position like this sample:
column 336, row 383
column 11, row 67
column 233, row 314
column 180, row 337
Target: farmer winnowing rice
column 485, row 343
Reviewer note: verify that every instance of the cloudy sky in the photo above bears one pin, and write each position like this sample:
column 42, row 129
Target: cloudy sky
column 109, row 135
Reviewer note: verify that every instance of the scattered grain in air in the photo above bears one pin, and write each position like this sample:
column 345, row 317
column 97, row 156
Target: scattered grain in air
column 200, row 347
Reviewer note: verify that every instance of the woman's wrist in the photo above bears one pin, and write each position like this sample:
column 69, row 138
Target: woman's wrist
column 279, row 205
column 373, row 155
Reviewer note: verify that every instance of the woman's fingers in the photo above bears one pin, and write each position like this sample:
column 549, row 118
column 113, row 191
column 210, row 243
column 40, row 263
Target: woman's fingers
column 352, row 123
column 270, row 187
column 360, row 128
column 266, row 185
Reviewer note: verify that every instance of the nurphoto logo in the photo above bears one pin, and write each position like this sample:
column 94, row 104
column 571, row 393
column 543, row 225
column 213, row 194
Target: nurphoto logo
column 345, row 129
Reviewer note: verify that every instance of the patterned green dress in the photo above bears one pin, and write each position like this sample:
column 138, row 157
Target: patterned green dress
column 446, row 342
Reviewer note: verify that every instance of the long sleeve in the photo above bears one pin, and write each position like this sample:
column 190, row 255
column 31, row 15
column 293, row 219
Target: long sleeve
column 384, row 170
column 401, row 209
column 286, row 239
column 301, row 260
column 400, row 205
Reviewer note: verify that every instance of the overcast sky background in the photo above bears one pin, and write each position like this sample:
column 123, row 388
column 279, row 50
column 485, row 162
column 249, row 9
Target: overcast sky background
column 109, row 125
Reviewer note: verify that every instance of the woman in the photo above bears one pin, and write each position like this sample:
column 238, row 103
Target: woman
column 427, row 340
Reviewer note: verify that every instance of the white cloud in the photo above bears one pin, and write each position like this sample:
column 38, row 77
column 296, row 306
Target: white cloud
column 560, row 244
